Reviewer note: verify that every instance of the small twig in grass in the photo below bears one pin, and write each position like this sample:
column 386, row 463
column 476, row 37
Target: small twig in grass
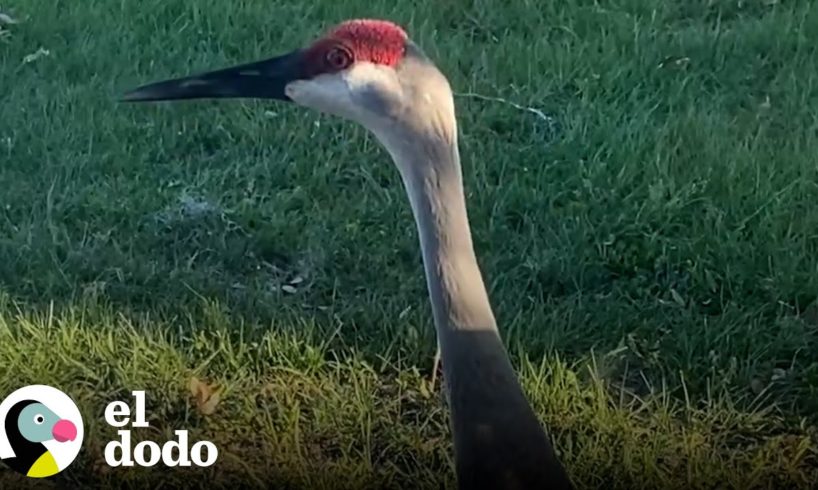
column 32, row 57
column 533, row 110
column 552, row 126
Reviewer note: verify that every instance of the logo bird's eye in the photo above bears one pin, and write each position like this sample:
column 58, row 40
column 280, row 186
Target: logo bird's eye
column 338, row 58
column 39, row 419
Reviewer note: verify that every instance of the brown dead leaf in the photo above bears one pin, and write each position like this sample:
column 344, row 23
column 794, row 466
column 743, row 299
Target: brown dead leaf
column 424, row 390
column 206, row 396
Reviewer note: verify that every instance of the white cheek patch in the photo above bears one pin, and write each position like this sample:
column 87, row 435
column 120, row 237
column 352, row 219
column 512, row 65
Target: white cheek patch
column 361, row 93
column 376, row 91
column 325, row 93
column 294, row 90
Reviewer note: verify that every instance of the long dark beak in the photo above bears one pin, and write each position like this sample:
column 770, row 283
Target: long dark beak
column 261, row 80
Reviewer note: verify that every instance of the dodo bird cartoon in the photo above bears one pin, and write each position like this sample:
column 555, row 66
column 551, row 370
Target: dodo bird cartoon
column 28, row 425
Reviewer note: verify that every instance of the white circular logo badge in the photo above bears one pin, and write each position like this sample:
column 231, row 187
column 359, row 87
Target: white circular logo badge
column 40, row 431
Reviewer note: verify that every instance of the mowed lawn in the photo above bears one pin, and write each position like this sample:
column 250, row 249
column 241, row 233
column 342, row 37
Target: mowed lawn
column 646, row 218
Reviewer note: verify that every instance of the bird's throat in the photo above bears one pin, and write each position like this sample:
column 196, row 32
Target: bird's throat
column 498, row 440
column 433, row 180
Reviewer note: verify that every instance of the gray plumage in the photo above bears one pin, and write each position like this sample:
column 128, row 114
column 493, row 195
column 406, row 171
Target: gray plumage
column 499, row 442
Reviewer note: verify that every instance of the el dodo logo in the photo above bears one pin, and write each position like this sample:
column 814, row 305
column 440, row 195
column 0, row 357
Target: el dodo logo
column 41, row 434
column 149, row 453
column 40, row 431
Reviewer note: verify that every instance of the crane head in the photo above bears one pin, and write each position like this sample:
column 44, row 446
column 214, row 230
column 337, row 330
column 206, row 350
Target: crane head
column 364, row 70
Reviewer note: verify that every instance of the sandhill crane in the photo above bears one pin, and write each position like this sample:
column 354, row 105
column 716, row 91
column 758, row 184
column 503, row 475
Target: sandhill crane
column 370, row 72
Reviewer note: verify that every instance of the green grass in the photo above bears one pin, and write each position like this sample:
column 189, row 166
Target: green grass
column 651, row 249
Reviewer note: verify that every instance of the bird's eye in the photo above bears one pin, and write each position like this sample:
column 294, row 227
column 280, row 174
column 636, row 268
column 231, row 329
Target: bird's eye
column 39, row 419
column 338, row 58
